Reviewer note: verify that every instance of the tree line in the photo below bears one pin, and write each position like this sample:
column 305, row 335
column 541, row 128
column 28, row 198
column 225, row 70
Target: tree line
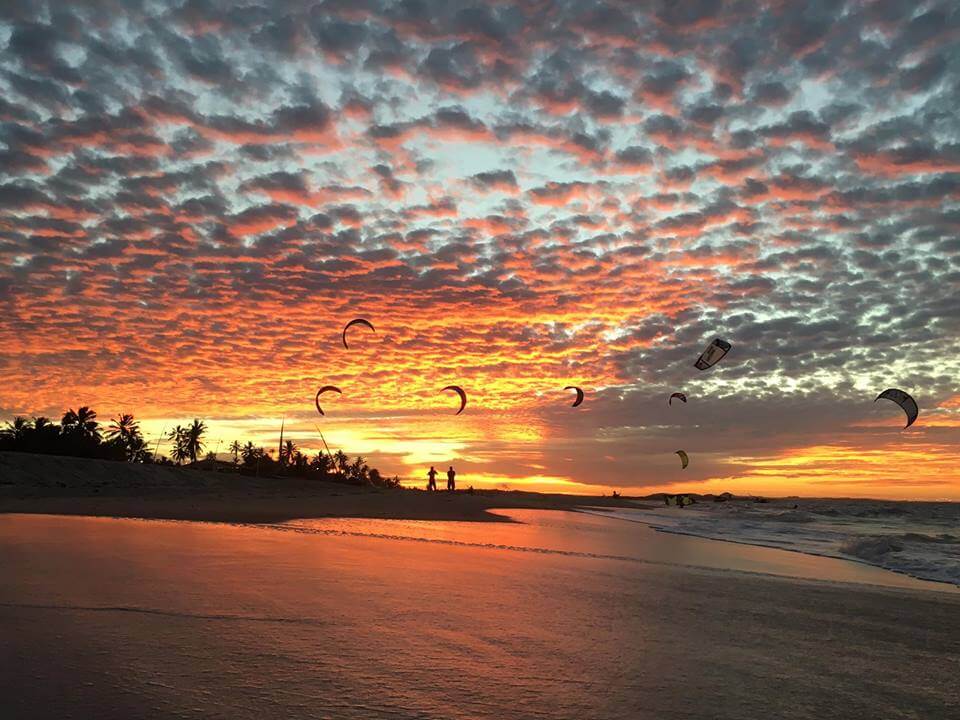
column 80, row 434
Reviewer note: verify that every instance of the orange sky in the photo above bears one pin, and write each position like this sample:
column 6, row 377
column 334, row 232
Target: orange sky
column 519, row 199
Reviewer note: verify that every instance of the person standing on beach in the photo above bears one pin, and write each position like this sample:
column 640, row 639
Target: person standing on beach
column 451, row 479
column 432, row 484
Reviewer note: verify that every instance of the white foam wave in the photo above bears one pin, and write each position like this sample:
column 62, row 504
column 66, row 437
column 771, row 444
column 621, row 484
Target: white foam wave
column 916, row 539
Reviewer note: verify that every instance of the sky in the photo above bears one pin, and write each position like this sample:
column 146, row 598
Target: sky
column 196, row 197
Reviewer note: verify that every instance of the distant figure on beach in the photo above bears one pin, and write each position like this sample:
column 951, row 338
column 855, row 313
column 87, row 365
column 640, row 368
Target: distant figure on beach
column 451, row 479
column 432, row 484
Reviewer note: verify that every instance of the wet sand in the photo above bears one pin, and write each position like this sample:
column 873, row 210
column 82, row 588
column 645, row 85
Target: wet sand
column 140, row 619
column 49, row 484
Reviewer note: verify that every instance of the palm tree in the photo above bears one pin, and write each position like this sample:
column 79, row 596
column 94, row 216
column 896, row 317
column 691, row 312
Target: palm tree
column 123, row 428
column 15, row 433
column 321, row 464
column 300, row 461
column 45, row 437
column 42, row 424
column 287, row 452
column 137, row 450
column 235, row 448
column 359, row 470
column 248, row 452
column 179, row 452
column 194, row 433
column 82, row 423
column 125, row 432
column 341, row 462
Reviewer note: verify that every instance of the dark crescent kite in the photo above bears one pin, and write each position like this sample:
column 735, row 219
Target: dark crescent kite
column 579, row 394
column 321, row 391
column 355, row 321
column 459, row 391
column 681, row 396
column 684, row 460
column 905, row 401
column 713, row 354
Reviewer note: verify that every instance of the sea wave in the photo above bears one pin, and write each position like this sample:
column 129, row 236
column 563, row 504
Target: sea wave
column 914, row 539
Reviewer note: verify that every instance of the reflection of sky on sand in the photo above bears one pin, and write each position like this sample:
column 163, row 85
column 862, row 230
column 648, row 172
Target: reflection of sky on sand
column 605, row 535
column 563, row 616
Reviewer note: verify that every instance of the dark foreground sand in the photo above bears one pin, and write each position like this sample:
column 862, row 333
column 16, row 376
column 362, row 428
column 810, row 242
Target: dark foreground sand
column 49, row 484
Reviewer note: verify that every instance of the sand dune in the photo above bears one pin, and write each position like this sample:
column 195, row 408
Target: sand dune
column 78, row 486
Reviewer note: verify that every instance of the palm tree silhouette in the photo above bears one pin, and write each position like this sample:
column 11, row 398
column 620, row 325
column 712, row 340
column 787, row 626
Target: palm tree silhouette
column 16, row 431
column 289, row 448
column 125, row 432
column 341, row 462
column 194, row 433
column 123, row 428
column 178, row 437
column 42, row 424
column 235, row 448
column 82, row 423
column 248, row 452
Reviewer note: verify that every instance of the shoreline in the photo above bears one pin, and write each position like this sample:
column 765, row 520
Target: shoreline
column 80, row 487
column 946, row 585
column 947, row 589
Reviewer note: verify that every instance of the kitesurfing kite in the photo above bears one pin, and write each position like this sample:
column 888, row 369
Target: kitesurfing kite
column 713, row 354
column 905, row 401
column 355, row 321
column 680, row 396
column 579, row 394
column 459, row 391
column 684, row 460
column 321, row 391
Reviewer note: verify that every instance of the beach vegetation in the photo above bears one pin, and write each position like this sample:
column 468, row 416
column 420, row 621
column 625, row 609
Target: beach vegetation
column 80, row 434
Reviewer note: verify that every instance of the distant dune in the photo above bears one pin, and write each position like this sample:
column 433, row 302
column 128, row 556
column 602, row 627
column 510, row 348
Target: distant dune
column 78, row 486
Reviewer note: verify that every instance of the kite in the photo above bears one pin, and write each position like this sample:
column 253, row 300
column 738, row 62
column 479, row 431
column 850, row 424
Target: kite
column 355, row 321
column 579, row 394
column 321, row 391
column 681, row 396
column 459, row 391
column 904, row 400
column 713, row 354
column 684, row 460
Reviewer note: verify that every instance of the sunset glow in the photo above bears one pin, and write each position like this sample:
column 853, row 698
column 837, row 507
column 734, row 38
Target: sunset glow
column 194, row 202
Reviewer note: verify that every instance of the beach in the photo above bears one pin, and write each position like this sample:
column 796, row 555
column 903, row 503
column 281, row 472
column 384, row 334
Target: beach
column 118, row 618
column 79, row 486
column 172, row 594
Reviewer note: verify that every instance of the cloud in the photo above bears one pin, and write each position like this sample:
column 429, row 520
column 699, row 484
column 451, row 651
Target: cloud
column 196, row 195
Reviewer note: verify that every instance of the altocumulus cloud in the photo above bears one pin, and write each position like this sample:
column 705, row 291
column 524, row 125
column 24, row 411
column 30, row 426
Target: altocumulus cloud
column 196, row 195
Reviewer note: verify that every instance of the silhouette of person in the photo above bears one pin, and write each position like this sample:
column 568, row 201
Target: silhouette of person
column 451, row 479
column 432, row 485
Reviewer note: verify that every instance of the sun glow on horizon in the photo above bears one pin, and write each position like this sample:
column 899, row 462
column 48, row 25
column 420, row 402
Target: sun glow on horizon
column 516, row 205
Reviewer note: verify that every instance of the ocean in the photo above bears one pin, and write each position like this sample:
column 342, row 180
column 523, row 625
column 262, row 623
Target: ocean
column 919, row 539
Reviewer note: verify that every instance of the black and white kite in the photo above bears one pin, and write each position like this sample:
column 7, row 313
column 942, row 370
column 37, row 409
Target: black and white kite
column 713, row 354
